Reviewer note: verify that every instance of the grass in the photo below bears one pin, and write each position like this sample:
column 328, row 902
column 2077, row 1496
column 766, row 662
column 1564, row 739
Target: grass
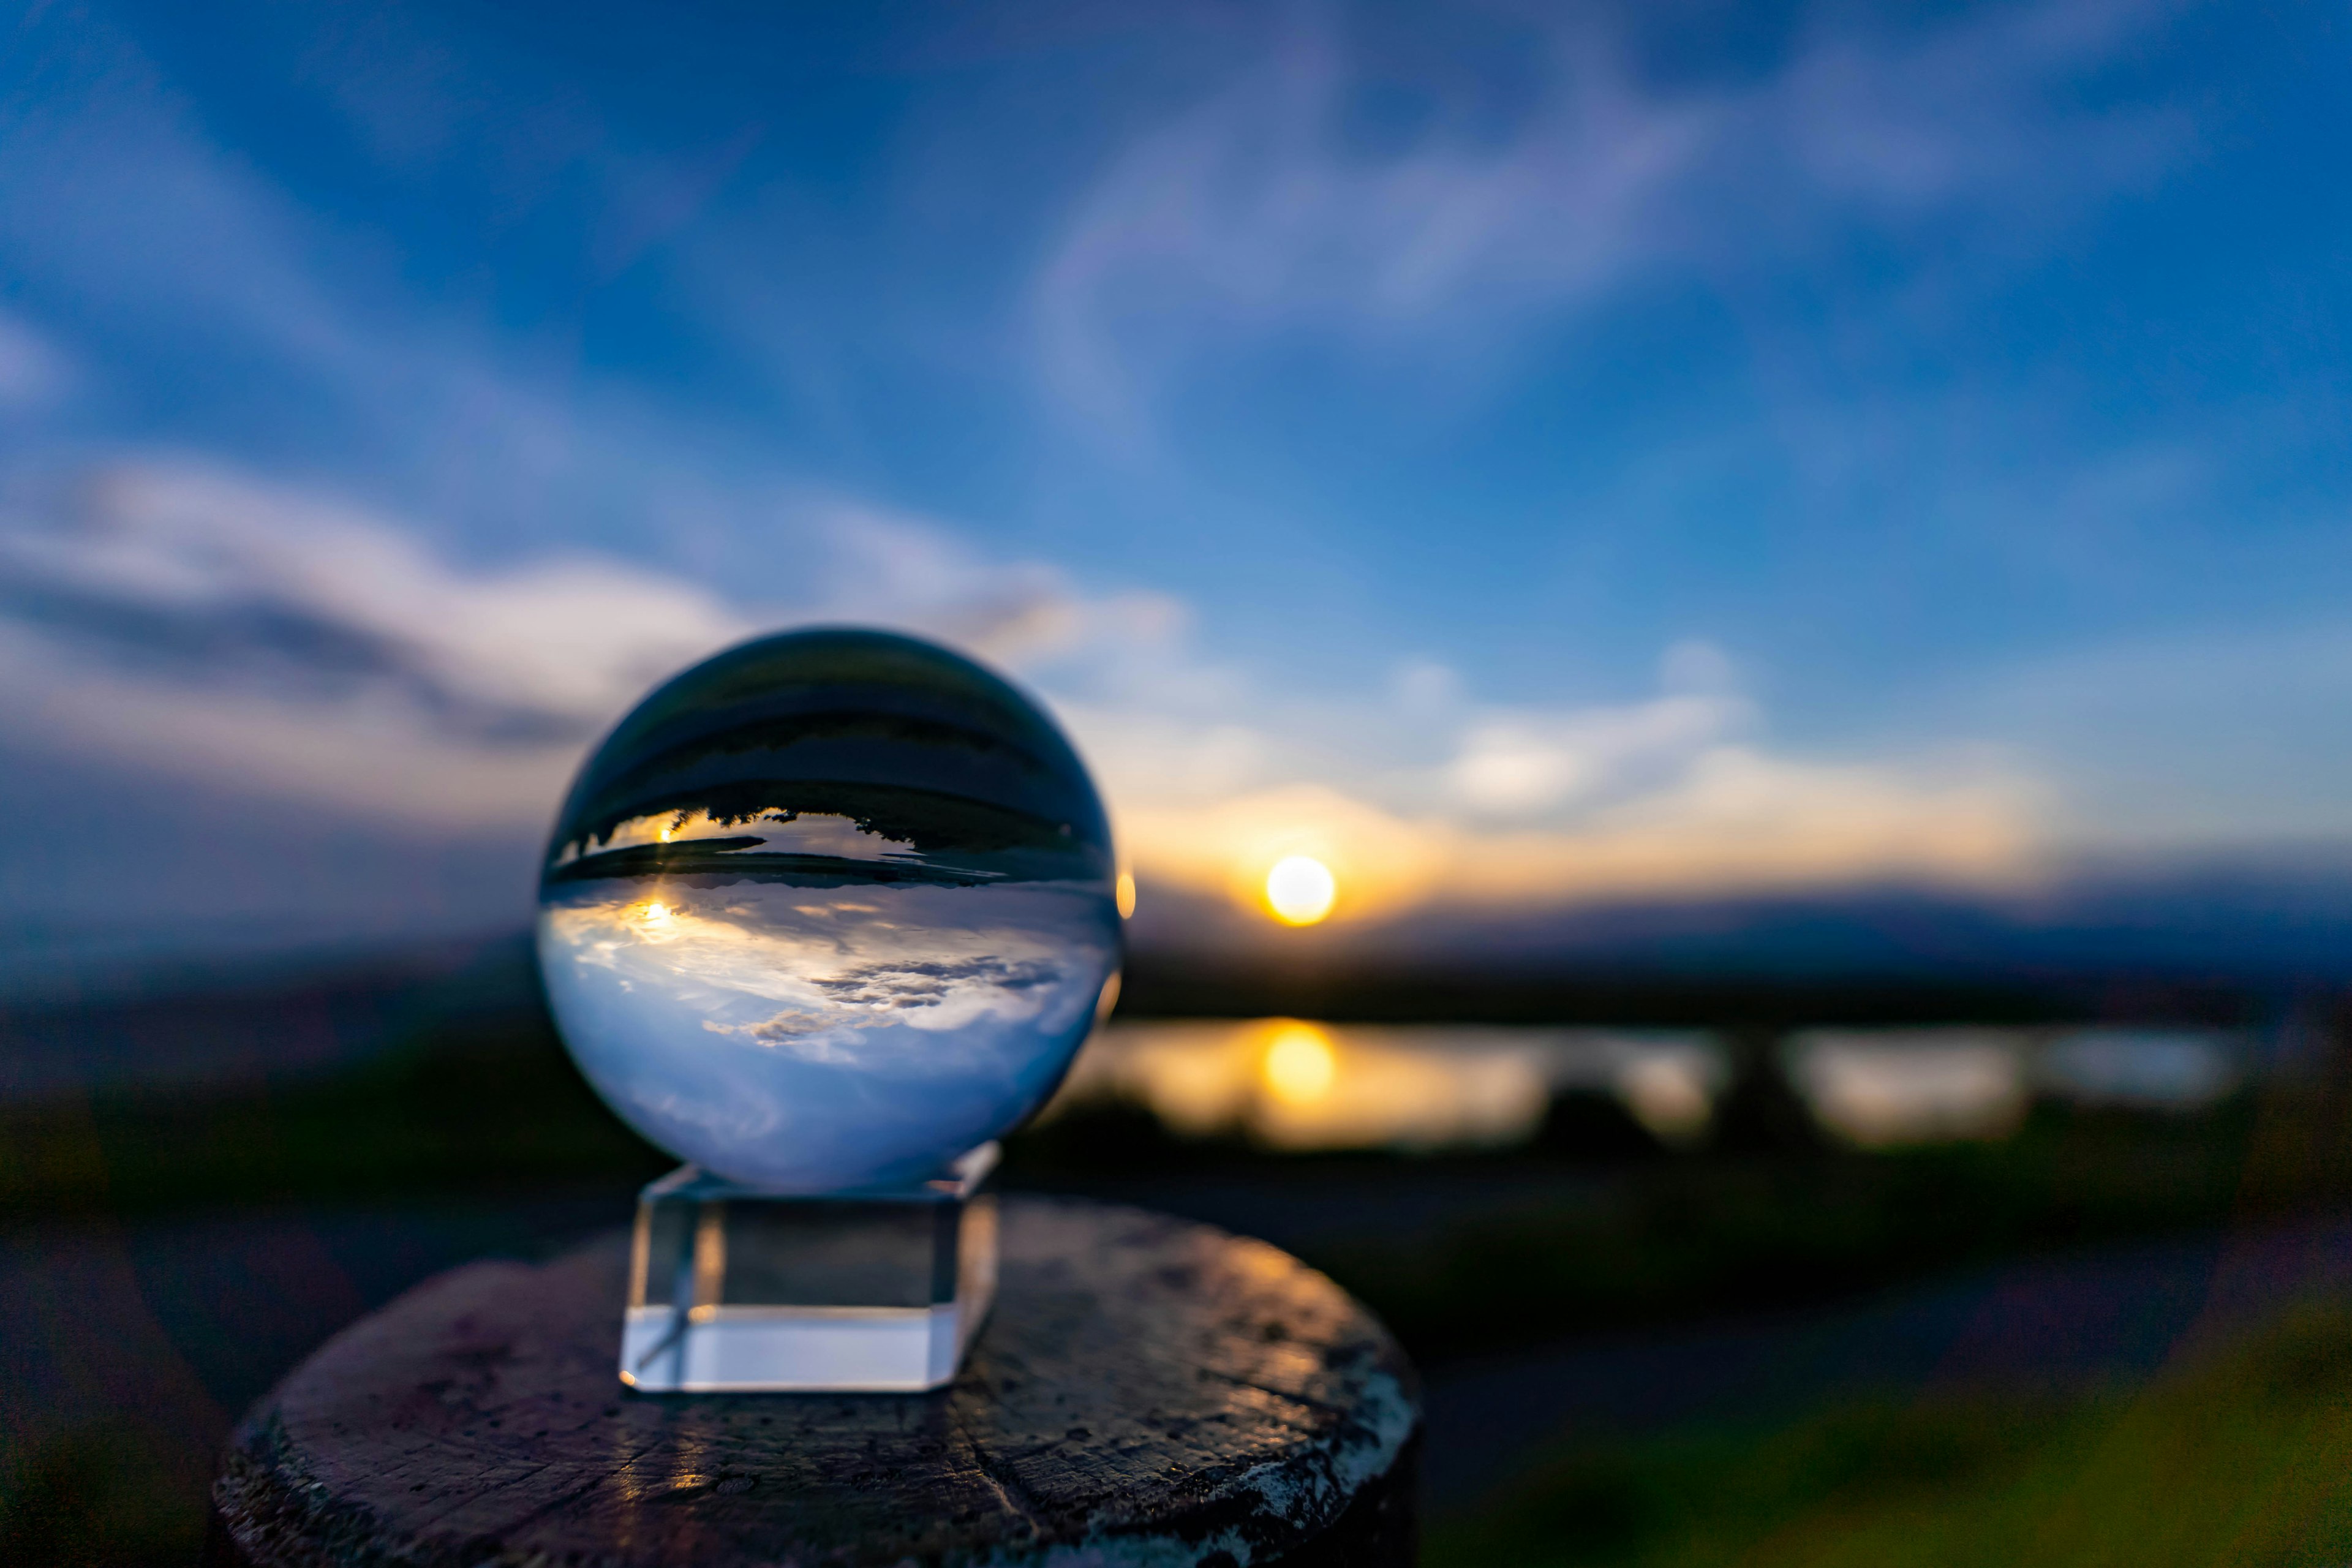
column 1700, row 1235
column 2235, row 1458
column 462, row 1107
column 98, row 1496
column 497, row 1107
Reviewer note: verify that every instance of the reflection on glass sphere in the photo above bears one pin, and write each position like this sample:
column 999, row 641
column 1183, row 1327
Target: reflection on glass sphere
column 829, row 909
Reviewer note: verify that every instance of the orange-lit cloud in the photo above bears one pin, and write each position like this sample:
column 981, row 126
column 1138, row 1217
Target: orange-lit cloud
column 1737, row 820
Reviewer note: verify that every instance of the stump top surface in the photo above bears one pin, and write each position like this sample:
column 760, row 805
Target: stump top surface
column 1146, row 1391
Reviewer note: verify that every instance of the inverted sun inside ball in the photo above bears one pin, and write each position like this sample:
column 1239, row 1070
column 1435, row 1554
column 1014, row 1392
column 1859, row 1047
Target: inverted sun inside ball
column 829, row 909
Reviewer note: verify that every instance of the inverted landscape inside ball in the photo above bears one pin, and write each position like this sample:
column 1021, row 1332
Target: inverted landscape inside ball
column 828, row 910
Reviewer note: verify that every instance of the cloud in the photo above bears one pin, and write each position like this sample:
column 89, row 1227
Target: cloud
column 874, row 995
column 1526, row 764
column 437, row 654
column 195, row 619
column 196, row 622
column 1740, row 819
column 34, row 373
column 1418, row 794
column 2216, row 736
column 182, row 617
column 888, row 566
column 1256, row 211
column 105, row 159
column 1728, row 819
column 207, row 293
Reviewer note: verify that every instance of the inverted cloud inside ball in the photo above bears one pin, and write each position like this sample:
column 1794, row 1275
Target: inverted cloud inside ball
column 827, row 911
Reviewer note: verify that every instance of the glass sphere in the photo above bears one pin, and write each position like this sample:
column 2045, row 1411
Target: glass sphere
column 829, row 909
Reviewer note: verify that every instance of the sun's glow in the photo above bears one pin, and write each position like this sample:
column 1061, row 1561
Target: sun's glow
column 1126, row 894
column 1300, row 889
column 1737, row 821
column 1300, row 1065
column 655, row 913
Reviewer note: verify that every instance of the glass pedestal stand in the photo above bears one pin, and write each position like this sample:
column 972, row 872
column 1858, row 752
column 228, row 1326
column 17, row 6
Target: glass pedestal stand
column 736, row 1290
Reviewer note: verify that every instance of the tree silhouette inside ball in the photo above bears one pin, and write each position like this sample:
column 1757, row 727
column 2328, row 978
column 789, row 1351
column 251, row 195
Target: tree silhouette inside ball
column 825, row 916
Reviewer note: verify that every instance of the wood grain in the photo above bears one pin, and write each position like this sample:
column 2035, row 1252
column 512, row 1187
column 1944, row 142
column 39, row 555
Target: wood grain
column 1148, row 1392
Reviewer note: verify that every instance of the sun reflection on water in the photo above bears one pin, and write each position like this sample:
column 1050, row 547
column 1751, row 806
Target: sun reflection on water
column 1287, row 1083
column 1291, row 1083
column 1299, row 1064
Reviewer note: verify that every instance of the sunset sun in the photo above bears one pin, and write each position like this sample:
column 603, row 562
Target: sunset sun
column 1300, row 889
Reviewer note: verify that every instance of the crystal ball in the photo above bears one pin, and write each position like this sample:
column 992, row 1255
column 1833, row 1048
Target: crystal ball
column 828, row 910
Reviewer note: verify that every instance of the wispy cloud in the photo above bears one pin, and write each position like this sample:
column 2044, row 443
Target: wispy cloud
column 1256, row 211
column 886, row 565
column 2224, row 737
column 295, row 329
column 108, row 160
column 1518, row 765
column 34, row 372
column 194, row 618
column 188, row 619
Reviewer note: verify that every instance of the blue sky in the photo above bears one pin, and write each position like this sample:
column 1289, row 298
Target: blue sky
column 1518, row 452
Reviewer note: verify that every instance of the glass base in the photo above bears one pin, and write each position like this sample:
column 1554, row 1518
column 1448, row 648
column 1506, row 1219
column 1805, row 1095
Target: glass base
column 736, row 1290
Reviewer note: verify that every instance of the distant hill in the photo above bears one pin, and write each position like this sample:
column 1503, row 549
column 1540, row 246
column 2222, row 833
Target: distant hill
column 2233, row 943
column 2200, row 937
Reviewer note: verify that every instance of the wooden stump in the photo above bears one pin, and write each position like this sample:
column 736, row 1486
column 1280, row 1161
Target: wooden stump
column 1147, row 1391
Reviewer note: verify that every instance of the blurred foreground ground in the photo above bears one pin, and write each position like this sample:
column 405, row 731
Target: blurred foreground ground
column 1743, row 1340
